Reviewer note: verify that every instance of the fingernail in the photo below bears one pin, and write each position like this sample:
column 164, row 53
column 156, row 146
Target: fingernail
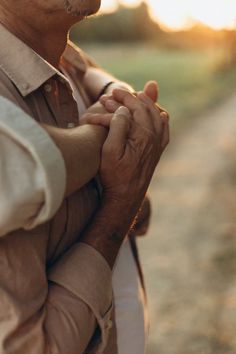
column 123, row 111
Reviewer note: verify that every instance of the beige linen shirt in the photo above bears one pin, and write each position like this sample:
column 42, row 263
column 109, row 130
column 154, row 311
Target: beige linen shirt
column 55, row 293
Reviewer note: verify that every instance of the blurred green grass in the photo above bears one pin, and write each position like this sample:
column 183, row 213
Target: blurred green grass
column 190, row 81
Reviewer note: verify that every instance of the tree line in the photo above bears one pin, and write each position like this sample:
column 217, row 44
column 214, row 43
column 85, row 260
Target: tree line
column 136, row 25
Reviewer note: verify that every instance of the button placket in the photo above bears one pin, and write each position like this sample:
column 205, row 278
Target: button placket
column 69, row 107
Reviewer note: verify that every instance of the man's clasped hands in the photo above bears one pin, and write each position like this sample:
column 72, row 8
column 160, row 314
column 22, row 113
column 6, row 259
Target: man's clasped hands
column 138, row 133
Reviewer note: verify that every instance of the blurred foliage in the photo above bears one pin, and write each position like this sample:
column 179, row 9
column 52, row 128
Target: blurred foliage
column 229, row 40
column 189, row 80
column 135, row 25
column 124, row 25
column 195, row 68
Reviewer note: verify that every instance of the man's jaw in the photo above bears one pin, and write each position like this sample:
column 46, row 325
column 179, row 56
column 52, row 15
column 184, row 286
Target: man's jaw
column 80, row 8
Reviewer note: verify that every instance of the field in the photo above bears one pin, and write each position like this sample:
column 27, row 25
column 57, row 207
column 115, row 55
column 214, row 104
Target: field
column 190, row 81
column 189, row 254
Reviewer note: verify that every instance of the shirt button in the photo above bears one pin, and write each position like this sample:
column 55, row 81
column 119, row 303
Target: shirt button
column 48, row 88
column 70, row 125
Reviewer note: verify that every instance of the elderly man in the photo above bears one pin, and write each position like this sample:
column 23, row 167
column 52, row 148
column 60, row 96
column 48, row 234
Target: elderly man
column 60, row 231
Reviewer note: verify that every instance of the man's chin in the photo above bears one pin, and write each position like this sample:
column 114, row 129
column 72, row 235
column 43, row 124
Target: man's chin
column 76, row 8
column 97, row 5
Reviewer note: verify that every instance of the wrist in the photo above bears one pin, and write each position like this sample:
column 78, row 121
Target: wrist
column 105, row 89
column 81, row 150
column 127, row 196
column 109, row 228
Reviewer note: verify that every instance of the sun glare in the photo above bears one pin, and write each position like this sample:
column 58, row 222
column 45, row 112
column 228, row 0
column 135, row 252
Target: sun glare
column 175, row 14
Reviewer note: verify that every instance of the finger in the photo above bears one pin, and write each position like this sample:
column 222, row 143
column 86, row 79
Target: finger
column 153, row 108
column 147, row 100
column 126, row 98
column 118, row 132
column 144, row 98
column 151, row 90
column 140, row 111
column 166, row 131
column 96, row 119
column 104, row 98
column 111, row 105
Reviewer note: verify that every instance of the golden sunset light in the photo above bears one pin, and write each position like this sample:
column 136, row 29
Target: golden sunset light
column 176, row 14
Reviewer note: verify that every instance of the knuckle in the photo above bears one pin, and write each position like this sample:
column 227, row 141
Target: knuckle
column 127, row 99
column 149, row 139
column 142, row 110
column 127, row 93
column 143, row 106
column 129, row 96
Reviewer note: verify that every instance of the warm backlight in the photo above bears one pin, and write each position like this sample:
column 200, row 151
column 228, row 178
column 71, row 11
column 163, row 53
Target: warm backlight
column 176, row 14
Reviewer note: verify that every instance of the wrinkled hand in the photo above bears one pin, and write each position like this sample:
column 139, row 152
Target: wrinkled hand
column 132, row 149
column 104, row 118
column 98, row 114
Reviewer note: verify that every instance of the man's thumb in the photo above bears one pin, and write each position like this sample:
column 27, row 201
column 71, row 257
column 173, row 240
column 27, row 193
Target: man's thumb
column 118, row 132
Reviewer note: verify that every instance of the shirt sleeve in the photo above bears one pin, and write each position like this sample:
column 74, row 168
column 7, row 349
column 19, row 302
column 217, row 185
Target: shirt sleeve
column 65, row 311
column 80, row 299
column 32, row 171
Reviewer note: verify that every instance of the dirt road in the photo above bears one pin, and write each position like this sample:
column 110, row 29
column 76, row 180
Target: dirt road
column 189, row 256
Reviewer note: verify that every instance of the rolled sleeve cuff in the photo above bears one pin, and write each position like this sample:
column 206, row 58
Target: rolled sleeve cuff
column 28, row 133
column 85, row 273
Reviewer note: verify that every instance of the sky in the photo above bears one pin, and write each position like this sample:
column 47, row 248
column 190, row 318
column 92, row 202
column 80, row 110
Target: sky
column 176, row 14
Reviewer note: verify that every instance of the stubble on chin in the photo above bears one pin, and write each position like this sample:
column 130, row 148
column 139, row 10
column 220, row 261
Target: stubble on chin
column 77, row 7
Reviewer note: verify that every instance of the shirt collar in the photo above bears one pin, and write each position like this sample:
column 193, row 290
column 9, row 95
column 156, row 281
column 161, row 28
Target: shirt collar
column 24, row 66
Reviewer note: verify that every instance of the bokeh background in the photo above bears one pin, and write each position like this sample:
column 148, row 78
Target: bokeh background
column 189, row 255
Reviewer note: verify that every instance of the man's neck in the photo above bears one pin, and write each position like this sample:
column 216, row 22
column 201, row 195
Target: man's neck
column 40, row 35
